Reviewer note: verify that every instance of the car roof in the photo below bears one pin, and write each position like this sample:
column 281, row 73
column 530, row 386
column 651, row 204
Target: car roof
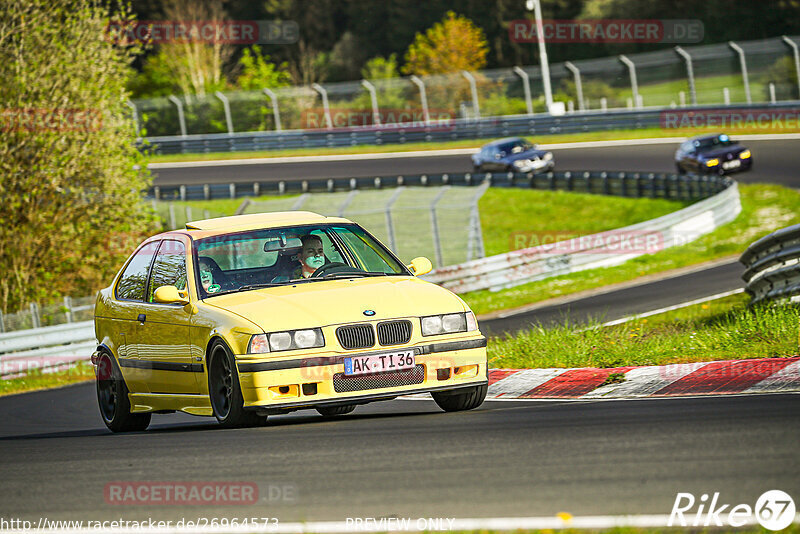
column 504, row 141
column 255, row 221
column 705, row 136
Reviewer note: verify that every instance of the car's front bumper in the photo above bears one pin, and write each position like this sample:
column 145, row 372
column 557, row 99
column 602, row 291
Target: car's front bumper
column 274, row 385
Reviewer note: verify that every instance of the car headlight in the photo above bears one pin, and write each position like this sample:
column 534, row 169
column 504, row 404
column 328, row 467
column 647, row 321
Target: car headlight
column 448, row 323
column 547, row 156
column 712, row 162
column 290, row 340
column 744, row 154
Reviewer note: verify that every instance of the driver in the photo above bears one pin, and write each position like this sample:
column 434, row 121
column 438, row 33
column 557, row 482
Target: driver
column 311, row 256
column 207, row 278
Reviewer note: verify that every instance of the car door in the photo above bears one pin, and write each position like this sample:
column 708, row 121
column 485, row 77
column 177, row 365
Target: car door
column 125, row 313
column 163, row 343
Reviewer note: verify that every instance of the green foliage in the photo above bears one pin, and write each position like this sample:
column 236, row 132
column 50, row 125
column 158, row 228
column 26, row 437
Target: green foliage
column 259, row 72
column 71, row 207
column 452, row 45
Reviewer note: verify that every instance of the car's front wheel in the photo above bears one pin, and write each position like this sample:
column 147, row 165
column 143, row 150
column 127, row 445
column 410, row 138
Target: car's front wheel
column 330, row 411
column 466, row 399
column 112, row 397
column 224, row 390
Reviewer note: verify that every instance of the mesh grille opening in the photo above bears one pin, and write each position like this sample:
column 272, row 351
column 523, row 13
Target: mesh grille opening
column 343, row 383
column 357, row 336
column 394, row 332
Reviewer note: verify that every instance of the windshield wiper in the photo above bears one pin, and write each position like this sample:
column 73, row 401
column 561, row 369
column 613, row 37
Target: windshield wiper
column 351, row 275
column 258, row 286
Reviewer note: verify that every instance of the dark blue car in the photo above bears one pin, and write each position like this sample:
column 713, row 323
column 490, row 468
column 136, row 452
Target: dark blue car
column 512, row 154
column 712, row 153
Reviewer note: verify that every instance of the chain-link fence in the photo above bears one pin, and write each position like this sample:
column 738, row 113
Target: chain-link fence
column 70, row 310
column 441, row 223
column 727, row 73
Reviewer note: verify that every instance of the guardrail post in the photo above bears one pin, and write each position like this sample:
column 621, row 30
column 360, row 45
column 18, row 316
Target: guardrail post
column 135, row 120
column 623, row 184
column 156, row 192
column 682, row 98
column 726, row 96
column 423, row 97
column 474, row 90
column 182, row 190
column 526, row 86
column 796, row 54
column 181, row 118
column 373, row 98
column 388, row 214
column 689, row 73
column 437, row 245
column 35, row 314
column 276, row 114
column 634, row 84
column 325, row 106
column 206, row 191
column 743, row 64
column 232, row 190
column 604, row 104
column 576, row 73
column 771, row 92
column 226, row 106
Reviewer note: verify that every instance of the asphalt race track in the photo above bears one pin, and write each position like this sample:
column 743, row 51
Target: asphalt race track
column 773, row 161
column 406, row 458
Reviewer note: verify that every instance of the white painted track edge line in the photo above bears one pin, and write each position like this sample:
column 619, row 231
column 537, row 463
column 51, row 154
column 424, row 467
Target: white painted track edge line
column 674, row 307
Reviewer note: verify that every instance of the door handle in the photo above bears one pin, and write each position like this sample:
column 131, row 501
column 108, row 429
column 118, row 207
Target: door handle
column 142, row 318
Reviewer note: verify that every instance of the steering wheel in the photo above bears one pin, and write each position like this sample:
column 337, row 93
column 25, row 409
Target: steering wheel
column 328, row 267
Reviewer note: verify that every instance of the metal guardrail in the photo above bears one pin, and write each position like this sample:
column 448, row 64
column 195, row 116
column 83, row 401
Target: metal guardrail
column 46, row 348
column 625, row 184
column 458, row 129
column 773, row 266
column 588, row 252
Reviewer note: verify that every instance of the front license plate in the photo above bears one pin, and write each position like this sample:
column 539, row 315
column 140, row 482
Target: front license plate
column 732, row 164
column 378, row 363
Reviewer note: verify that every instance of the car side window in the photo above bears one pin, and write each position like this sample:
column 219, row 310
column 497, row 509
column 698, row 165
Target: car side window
column 169, row 267
column 134, row 279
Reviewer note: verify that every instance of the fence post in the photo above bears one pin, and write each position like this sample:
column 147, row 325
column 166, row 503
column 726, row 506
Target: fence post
column 325, row 106
column 135, row 124
column 743, row 64
column 35, row 314
column 634, row 84
column 68, row 306
column 388, row 212
column 172, row 223
column 226, row 106
column 772, row 92
column 437, row 245
column 796, row 54
column 578, row 85
column 373, row 98
column 275, row 113
column 474, row 90
column 423, row 97
column 689, row 73
column 726, row 96
column 526, row 86
column 181, row 117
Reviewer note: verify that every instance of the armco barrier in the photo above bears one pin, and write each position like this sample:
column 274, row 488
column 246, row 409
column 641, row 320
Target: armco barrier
column 45, row 348
column 773, row 266
column 458, row 129
column 599, row 250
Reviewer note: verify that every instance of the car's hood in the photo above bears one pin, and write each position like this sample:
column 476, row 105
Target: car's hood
column 323, row 303
column 722, row 151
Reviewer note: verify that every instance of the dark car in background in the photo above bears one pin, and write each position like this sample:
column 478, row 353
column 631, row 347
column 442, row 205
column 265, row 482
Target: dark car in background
column 713, row 153
column 512, row 154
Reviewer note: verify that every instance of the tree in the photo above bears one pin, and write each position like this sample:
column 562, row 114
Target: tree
column 258, row 72
column 452, row 45
column 71, row 174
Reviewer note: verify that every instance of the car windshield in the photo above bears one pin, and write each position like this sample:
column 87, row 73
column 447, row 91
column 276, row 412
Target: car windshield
column 279, row 256
column 714, row 142
column 515, row 147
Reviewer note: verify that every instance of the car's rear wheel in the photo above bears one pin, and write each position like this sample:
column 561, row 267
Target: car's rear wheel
column 224, row 390
column 464, row 400
column 331, row 411
column 112, row 397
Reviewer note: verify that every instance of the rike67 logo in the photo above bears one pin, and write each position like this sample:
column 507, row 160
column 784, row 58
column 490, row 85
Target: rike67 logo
column 774, row 510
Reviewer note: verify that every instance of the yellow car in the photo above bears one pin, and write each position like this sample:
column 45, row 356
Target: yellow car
column 247, row 316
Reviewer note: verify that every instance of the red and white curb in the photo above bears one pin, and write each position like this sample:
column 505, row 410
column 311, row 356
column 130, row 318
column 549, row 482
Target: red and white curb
column 763, row 375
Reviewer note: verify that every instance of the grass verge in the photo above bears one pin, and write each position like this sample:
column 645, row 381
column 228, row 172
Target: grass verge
column 718, row 330
column 38, row 379
column 607, row 135
column 765, row 208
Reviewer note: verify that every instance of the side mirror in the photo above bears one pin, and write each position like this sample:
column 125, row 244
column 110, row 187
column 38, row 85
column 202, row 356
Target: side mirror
column 420, row 266
column 170, row 295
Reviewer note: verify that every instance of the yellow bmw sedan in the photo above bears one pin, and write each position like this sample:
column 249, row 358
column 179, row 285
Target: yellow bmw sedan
column 243, row 317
